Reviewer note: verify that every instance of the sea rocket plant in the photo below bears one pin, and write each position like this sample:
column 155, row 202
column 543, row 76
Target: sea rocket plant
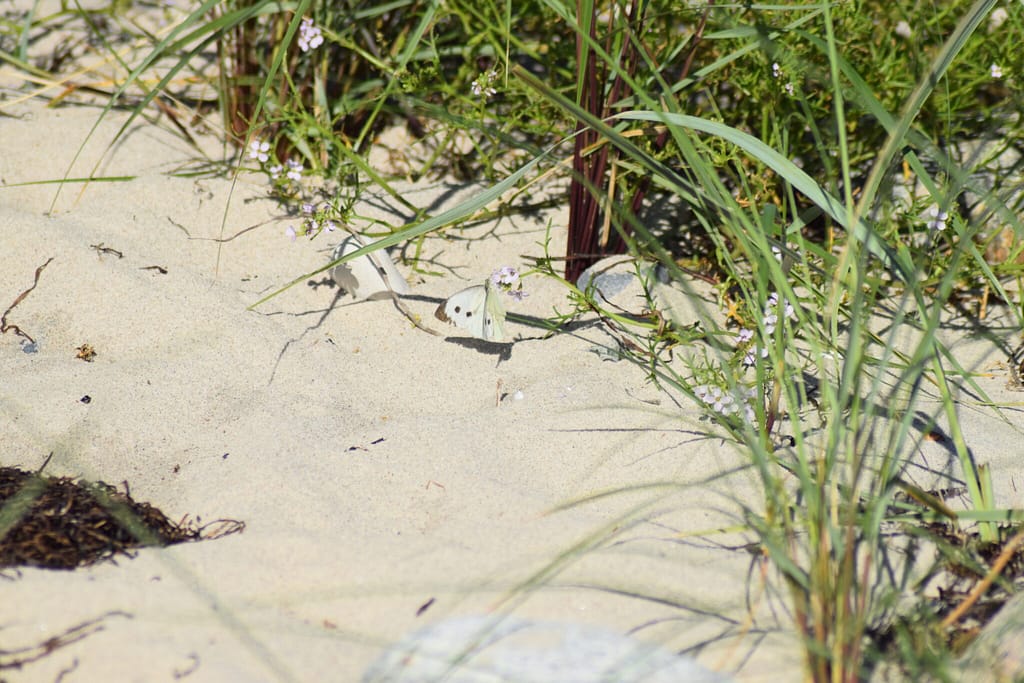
column 310, row 36
column 482, row 85
column 778, row 73
column 259, row 150
column 937, row 218
column 728, row 404
column 292, row 169
column 287, row 177
column 507, row 279
column 295, row 169
column 739, row 401
column 315, row 221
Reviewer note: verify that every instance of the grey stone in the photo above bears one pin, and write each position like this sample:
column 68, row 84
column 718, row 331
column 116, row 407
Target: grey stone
column 495, row 649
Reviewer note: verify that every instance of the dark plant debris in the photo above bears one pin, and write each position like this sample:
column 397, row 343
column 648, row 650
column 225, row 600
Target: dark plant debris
column 60, row 523
column 86, row 352
column 102, row 249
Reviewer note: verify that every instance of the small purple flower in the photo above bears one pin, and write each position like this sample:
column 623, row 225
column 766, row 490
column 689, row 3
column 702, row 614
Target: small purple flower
column 507, row 279
column 938, row 218
column 258, row 150
column 481, row 87
column 728, row 404
column 997, row 18
column 275, row 171
column 295, row 169
column 290, row 233
column 771, row 316
column 506, row 276
column 750, row 359
column 743, row 337
column 310, row 37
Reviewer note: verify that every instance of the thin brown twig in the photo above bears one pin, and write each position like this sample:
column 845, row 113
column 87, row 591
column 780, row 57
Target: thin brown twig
column 408, row 314
column 33, row 653
column 1009, row 550
column 4, row 325
column 398, row 302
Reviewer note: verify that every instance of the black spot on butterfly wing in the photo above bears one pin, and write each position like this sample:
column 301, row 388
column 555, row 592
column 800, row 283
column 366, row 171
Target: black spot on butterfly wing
column 442, row 314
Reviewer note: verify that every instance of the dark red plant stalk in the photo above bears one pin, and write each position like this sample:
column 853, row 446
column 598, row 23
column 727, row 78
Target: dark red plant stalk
column 590, row 187
column 236, row 51
column 586, row 245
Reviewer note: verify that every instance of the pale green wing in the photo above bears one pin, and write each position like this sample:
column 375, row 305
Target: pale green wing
column 494, row 319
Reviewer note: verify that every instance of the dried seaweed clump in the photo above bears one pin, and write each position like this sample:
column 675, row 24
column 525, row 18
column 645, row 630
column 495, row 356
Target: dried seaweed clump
column 58, row 523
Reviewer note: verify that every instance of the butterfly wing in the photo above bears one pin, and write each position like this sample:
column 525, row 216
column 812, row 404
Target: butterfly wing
column 494, row 320
column 467, row 310
column 369, row 276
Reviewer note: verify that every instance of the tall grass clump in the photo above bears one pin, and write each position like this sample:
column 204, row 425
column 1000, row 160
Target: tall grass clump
column 837, row 215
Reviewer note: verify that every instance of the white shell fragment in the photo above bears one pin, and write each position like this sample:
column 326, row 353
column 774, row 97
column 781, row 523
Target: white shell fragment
column 371, row 276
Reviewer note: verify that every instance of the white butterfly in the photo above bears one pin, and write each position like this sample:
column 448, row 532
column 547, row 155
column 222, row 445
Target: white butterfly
column 371, row 276
column 477, row 310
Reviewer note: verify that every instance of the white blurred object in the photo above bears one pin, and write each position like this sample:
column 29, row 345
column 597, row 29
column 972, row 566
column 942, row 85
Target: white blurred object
column 371, row 276
column 494, row 649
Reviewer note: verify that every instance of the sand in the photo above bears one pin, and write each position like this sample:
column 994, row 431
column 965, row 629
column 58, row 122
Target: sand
column 388, row 479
